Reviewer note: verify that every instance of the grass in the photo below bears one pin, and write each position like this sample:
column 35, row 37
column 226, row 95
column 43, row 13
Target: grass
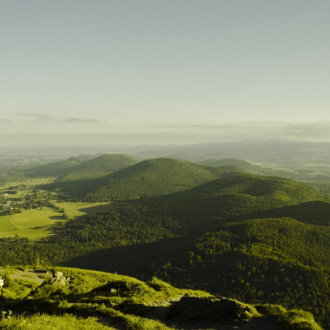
column 99, row 300
column 28, row 182
column 44, row 322
column 34, row 223
column 290, row 319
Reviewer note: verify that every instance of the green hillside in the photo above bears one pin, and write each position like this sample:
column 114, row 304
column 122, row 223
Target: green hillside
column 55, row 169
column 237, row 195
column 154, row 177
column 97, row 167
column 82, row 167
column 62, row 298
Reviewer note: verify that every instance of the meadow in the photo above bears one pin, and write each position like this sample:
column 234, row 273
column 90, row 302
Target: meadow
column 33, row 224
column 36, row 223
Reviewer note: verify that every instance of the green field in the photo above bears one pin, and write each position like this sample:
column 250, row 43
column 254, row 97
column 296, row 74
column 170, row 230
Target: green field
column 27, row 182
column 36, row 223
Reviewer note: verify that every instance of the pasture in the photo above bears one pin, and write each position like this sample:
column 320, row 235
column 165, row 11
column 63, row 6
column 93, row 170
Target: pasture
column 36, row 223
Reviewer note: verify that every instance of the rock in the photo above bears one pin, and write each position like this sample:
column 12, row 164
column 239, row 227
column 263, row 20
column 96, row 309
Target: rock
column 210, row 309
column 60, row 279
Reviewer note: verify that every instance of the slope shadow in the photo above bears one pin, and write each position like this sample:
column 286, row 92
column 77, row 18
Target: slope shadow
column 135, row 260
column 315, row 212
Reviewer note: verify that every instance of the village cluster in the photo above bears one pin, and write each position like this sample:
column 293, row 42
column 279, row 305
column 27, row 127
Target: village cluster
column 10, row 203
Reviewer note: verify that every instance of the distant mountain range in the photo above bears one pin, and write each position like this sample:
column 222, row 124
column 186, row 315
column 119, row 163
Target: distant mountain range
column 82, row 167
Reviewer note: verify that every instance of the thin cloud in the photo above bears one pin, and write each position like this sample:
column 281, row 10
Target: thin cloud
column 80, row 120
column 239, row 125
column 50, row 118
column 37, row 116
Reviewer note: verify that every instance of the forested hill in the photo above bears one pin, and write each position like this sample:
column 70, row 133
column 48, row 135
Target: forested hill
column 155, row 177
column 242, row 236
column 97, row 167
column 54, row 169
column 82, row 167
column 235, row 195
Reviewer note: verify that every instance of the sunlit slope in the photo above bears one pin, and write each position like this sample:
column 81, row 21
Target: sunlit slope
column 154, row 177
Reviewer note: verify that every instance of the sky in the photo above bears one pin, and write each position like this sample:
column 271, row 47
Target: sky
column 164, row 71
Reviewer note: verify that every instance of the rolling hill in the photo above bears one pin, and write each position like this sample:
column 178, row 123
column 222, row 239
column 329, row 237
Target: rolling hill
column 244, row 236
column 250, row 237
column 98, row 167
column 155, row 177
column 237, row 195
column 54, row 169
column 82, row 167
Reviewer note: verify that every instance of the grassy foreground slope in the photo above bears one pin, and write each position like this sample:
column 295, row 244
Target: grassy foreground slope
column 95, row 300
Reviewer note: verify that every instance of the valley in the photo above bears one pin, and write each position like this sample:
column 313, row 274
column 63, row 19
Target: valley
column 225, row 226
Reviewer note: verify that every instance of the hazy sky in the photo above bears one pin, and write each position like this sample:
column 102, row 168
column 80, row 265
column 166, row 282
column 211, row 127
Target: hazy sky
column 170, row 70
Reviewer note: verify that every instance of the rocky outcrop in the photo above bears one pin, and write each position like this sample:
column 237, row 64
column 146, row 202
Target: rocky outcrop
column 210, row 308
column 60, row 279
